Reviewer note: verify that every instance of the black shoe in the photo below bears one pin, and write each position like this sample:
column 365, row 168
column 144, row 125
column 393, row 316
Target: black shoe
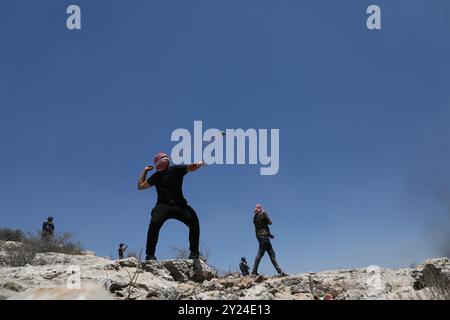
column 153, row 258
column 254, row 273
column 282, row 274
column 194, row 255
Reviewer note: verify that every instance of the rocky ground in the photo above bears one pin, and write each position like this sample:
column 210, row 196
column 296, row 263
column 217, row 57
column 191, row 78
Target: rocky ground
column 87, row 276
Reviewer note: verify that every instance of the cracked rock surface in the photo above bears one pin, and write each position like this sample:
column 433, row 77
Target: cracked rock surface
column 86, row 276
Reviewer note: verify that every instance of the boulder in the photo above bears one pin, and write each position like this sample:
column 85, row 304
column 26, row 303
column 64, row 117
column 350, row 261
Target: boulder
column 13, row 286
column 130, row 262
column 183, row 270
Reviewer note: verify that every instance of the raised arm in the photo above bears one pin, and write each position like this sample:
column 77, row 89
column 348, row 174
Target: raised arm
column 195, row 166
column 142, row 182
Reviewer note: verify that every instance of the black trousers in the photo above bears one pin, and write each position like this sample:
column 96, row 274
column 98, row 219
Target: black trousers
column 265, row 245
column 161, row 213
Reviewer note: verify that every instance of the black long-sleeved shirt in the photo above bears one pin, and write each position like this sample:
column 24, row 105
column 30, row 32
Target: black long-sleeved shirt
column 48, row 227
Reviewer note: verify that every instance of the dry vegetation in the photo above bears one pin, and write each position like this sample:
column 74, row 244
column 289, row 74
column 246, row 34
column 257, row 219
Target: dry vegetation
column 26, row 246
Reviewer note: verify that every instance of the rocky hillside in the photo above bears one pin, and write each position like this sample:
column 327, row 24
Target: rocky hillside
column 87, row 276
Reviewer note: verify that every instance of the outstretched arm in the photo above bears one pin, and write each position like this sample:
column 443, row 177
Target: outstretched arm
column 195, row 166
column 142, row 182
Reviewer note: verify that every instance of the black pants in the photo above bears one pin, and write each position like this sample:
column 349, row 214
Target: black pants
column 265, row 245
column 161, row 213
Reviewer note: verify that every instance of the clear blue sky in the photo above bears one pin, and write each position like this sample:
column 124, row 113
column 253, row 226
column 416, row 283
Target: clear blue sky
column 363, row 118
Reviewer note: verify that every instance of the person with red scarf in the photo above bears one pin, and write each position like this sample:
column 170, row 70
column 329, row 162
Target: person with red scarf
column 262, row 221
column 171, row 204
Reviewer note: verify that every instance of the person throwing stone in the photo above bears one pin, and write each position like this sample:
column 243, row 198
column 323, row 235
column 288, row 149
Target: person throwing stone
column 171, row 204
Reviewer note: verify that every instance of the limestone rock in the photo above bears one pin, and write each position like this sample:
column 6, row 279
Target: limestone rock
column 89, row 291
column 188, row 269
column 13, row 286
column 88, row 253
column 54, row 275
column 131, row 262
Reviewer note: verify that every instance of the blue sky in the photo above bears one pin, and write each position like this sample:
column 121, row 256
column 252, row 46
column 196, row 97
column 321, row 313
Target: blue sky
column 363, row 118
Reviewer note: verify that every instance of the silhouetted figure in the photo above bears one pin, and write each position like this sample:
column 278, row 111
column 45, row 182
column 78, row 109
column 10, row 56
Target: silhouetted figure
column 122, row 248
column 48, row 228
column 244, row 267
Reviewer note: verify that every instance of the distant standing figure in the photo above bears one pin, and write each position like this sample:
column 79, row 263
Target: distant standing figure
column 262, row 221
column 244, row 267
column 48, row 228
column 122, row 248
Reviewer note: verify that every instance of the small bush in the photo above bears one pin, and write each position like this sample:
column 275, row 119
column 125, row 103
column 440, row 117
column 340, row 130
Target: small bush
column 436, row 284
column 229, row 273
column 60, row 243
column 18, row 256
column 31, row 245
column 183, row 253
column 7, row 234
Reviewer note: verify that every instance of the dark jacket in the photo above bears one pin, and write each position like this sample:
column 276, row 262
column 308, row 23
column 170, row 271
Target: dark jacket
column 262, row 221
column 48, row 227
column 122, row 250
column 244, row 268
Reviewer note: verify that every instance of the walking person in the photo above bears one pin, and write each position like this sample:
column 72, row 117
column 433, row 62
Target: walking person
column 262, row 221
